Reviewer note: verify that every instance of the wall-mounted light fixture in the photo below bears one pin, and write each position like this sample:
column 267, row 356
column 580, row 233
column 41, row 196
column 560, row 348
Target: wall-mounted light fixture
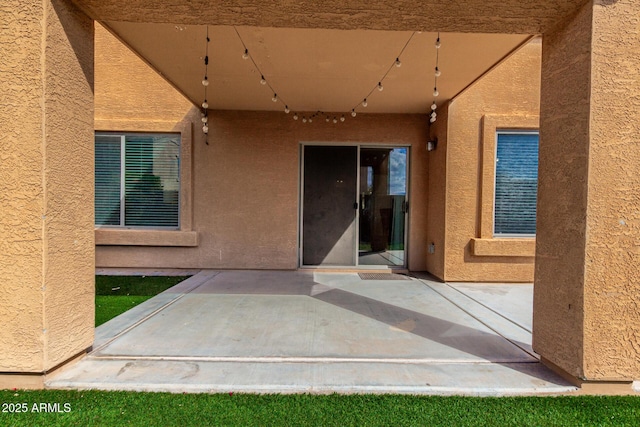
column 431, row 145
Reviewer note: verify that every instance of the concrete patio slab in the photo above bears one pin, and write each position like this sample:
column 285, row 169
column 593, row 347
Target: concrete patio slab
column 302, row 331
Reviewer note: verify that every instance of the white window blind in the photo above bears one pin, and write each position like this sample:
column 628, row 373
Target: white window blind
column 137, row 180
column 516, row 183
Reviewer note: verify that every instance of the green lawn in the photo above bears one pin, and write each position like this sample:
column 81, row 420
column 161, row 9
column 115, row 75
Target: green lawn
column 117, row 294
column 161, row 409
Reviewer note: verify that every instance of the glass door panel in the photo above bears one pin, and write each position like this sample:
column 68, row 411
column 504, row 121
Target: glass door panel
column 383, row 206
column 329, row 205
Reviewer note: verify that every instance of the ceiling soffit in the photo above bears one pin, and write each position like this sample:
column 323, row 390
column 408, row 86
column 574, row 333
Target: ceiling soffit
column 315, row 69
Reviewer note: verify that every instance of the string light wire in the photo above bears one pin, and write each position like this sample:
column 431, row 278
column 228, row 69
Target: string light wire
column 396, row 63
column 205, row 83
column 433, row 116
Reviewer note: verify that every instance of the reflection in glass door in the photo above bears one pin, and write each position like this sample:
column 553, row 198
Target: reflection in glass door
column 383, row 206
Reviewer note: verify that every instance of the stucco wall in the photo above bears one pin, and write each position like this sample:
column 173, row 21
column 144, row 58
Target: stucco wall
column 436, row 194
column 244, row 189
column 505, row 98
column 586, row 285
column 127, row 89
column 46, row 224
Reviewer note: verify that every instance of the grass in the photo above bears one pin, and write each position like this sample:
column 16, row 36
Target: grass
column 94, row 408
column 117, row 294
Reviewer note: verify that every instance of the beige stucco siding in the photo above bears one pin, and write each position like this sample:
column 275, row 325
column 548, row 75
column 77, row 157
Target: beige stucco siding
column 586, row 289
column 505, row 98
column 243, row 188
column 46, row 225
column 246, row 189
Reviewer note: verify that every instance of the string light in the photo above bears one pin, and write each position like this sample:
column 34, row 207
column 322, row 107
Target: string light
column 395, row 64
column 437, row 73
column 205, row 83
column 379, row 86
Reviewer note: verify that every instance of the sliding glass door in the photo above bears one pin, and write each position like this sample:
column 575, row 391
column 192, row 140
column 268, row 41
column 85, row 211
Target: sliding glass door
column 354, row 205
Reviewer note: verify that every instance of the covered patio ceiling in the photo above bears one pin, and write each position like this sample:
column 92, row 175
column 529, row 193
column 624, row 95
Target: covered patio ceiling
column 326, row 55
column 328, row 70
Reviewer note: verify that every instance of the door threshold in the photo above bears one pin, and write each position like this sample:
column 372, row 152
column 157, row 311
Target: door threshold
column 354, row 269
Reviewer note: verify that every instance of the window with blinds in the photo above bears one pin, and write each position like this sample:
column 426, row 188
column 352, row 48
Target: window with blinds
column 516, row 184
column 137, row 180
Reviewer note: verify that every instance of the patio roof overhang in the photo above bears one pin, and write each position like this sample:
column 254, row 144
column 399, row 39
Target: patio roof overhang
column 325, row 56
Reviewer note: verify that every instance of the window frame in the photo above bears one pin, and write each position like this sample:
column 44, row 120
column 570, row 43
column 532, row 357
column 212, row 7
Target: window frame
column 484, row 243
column 123, row 171
column 499, row 132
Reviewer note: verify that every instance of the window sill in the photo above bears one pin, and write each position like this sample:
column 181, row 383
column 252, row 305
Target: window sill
column 524, row 247
column 116, row 237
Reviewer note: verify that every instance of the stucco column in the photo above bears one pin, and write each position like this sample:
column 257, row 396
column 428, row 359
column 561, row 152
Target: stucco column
column 587, row 273
column 46, row 188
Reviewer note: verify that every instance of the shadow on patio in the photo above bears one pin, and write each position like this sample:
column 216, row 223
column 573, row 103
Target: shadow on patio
column 298, row 331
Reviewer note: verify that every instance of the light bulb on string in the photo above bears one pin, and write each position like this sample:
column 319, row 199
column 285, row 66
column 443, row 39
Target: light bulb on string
column 205, row 119
column 205, row 129
column 365, row 103
column 262, row 80
column 432, row 120
column 438, row 72
column 438, row 43
column 335, row 120
column 434, row 106
column 245, row 55
column 275, row 97
column 205, row 81
column 435, row 91
column 304, row 120
column 342, row 118
column 398, row 64
column 353, row 113
column 295, row 116
column 380, row 87
column 205, row 104
column 434, row 114
column 286, row 109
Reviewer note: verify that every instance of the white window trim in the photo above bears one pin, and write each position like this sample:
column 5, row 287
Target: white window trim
column 123, row 226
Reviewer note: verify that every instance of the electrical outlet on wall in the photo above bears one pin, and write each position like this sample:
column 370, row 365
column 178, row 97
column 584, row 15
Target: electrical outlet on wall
column 432, row 248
